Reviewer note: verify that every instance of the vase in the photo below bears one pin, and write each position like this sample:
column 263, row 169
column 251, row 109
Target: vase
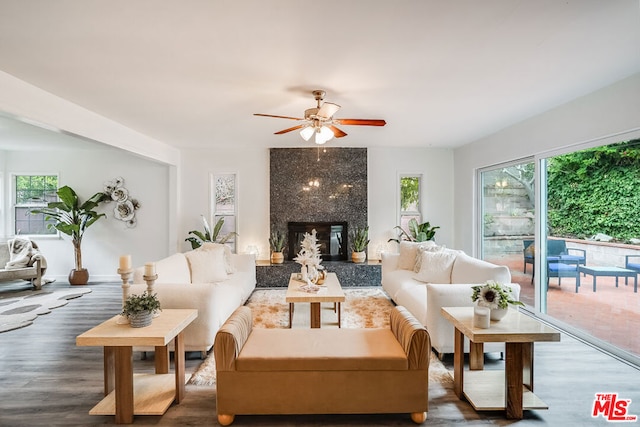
column 303, row 273
column 140, row 320
column 277, row 258
column 79, row 277
column 358, row 257
column 498, row 313
column 312, row 274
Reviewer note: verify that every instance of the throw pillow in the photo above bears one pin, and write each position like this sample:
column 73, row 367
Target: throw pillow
column 408, row 250
column 424, row 247
column 207, row 265
column 227, row 254
column 436, row 267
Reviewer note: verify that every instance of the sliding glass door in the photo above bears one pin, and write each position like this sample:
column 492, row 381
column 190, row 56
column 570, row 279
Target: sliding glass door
column 507, row 211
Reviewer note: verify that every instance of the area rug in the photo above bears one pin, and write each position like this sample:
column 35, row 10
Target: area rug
column 363, row 308
column 18, row 312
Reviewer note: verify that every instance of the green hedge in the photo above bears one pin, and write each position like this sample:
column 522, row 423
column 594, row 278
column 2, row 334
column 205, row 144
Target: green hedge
column 596, row 191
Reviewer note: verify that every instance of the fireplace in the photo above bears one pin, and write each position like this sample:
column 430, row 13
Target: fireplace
column 332, row 238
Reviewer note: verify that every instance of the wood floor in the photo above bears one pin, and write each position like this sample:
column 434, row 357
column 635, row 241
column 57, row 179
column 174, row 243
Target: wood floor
column 45, row 380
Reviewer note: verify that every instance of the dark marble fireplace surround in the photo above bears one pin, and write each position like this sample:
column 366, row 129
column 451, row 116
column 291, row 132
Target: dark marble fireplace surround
column 332, row 189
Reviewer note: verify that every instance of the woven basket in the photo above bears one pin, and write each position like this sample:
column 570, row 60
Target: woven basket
column 140, row 320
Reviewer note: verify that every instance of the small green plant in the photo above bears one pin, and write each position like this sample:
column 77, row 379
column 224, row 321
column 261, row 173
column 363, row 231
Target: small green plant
column 135, row 304
column 417, row 232
column 277, row 240
column 359, row 238
column 209, row 235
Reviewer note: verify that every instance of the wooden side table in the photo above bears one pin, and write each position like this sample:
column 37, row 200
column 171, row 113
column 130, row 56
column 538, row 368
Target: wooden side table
column 512, row 389
column 127, row 394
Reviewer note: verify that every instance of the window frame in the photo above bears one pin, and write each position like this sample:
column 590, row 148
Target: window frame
column 410, row 213
column 14, row 205
column 215, row 214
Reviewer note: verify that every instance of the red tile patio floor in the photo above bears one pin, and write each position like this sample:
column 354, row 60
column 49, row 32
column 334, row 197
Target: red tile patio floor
column 610, row 314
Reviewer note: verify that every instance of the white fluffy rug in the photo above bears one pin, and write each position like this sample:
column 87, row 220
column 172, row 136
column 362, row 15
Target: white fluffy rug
column 18, row 312
column 363, row 308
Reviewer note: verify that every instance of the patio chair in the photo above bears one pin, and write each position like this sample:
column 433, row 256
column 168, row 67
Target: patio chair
column 631, row 264
column 560, row 270
column 557, row 252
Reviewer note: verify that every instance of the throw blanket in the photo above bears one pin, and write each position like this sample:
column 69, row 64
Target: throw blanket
column 24, row 253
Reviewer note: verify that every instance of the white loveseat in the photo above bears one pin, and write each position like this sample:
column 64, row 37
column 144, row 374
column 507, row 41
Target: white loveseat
column 441, row 278
column 209, row 279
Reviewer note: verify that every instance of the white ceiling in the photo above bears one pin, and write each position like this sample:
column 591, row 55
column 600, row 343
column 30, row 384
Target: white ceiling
column 441, row 73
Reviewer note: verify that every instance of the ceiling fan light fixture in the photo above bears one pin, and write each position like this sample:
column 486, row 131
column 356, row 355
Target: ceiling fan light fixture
column 307, row 132
column 323, row 134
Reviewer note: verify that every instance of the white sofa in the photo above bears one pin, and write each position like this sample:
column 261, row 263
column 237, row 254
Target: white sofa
column 442, row 278
column 209, row 279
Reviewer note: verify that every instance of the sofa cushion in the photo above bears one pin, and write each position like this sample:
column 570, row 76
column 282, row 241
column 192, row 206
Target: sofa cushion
column 408, row 251
column 436, row 267
column 207, row 265
column 173, row 269
column 425, row 248
column 467, row 269
column 228, row 263
column 307, row 350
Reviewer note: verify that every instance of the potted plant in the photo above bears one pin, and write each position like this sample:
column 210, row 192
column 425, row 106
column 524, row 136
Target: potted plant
column 73, row 218
column 417, row 232
column 209, row 235
column 139, row 309
column 359, row 238
column 277, row 241
column 495, row 296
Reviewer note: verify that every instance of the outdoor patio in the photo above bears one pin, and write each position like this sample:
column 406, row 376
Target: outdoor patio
column 610, row 314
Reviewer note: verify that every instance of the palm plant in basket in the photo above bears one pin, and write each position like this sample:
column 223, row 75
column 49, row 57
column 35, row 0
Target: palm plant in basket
column 73, row 218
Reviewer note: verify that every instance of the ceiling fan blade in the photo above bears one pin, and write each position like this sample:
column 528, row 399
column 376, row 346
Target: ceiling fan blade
column 361, row 122
column 278, row 117
column 289, row 129
column 327, row 110
column 337, row 132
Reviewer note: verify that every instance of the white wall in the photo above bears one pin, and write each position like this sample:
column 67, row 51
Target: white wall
column 611, row 110
column 86, row 171
column 252, row 167
column 385, row 167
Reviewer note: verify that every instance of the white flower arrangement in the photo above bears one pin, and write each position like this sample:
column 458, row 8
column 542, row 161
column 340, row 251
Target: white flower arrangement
column 310, row 250
column 493, row 295
column 125, row 206
column 309, row 257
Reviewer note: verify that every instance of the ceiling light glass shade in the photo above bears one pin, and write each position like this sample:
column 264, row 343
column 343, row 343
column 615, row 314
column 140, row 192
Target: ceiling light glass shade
column 323, row 135
column 307, row 132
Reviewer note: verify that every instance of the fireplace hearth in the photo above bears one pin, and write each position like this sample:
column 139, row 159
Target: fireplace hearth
column 332, row 238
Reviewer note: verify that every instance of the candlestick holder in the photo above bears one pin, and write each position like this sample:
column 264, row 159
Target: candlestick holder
column 125, row 274
column 150, row 282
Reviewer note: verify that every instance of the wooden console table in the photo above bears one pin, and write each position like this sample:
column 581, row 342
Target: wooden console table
column 512, row 389
column 127, row 394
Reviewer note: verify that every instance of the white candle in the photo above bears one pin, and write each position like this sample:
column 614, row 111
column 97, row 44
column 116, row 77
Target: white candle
column 125, row 262
column 481, row 317
column 150, row 269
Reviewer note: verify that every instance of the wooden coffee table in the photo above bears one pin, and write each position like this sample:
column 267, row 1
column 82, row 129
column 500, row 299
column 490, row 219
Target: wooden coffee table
column 512, row 389
column 330, row 291
column 127, row 394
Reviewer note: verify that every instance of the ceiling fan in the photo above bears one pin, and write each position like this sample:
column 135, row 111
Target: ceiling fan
column 319, row 121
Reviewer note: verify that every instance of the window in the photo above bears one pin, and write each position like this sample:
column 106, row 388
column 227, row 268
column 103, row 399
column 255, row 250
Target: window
column 225, row 206
column 33, row 191
column 410, row 199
